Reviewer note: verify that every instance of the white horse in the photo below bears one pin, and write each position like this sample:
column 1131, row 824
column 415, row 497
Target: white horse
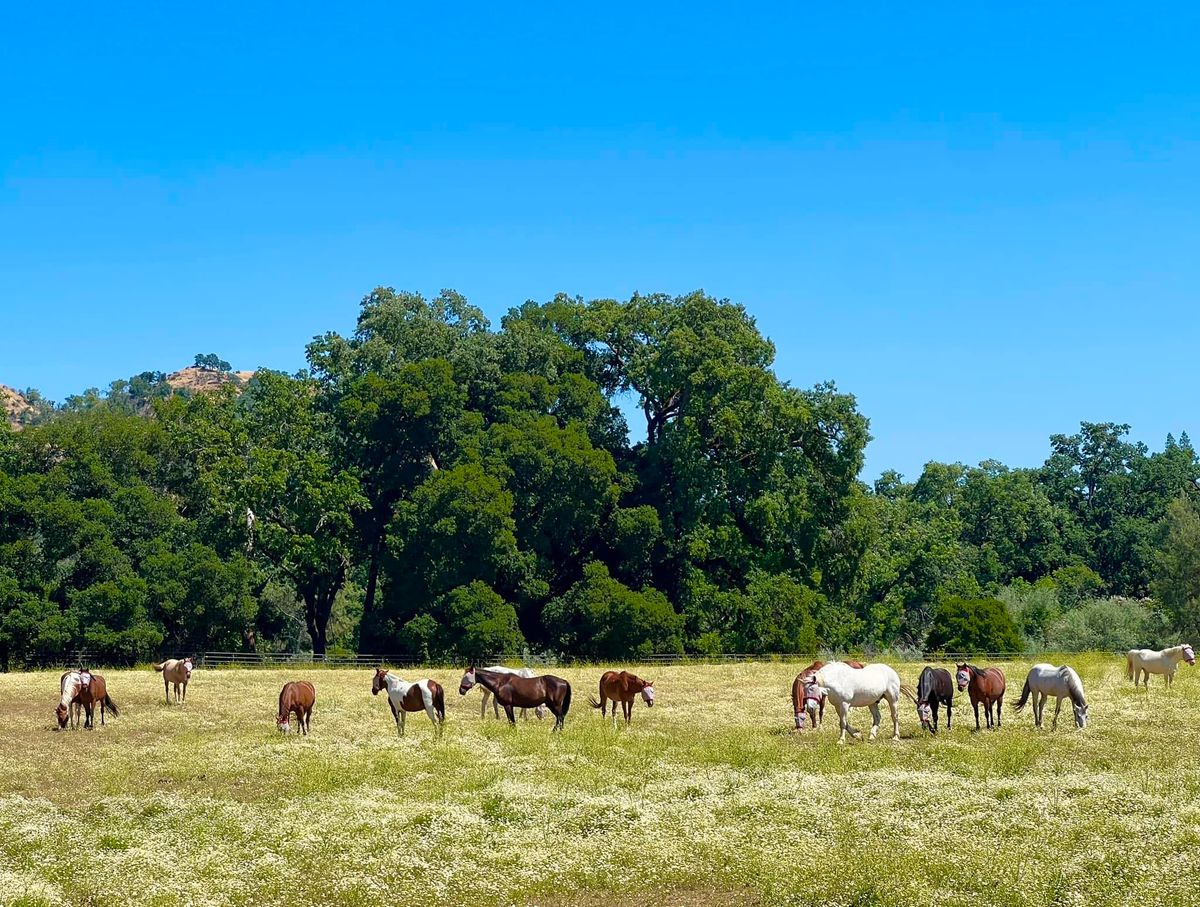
column 406, row 697
column 540, row 711
column 1164, row 661
column 1045, row 680
column 847, row 687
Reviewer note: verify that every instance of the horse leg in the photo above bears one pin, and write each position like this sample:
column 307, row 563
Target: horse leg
column 629, row 712
column 975, row 706
column 403, row 719
column 166, row 689
column 1057, row 709
column 999, row 709
column 185, row 691
column 395, row 717
column 896, row 719
column 512, row 717
column 844, row 721
column 949, row 710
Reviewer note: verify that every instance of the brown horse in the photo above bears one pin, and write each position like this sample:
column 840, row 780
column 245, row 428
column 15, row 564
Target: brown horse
column 404, row 697
column 623, row 687
column 515, row 692
column 82, row 690
column 805, row 706
column 983, row 685
column 297, row 696
column 176, row 671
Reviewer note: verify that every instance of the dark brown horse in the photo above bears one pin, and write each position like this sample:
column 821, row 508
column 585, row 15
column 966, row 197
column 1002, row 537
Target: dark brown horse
column 297, row 697
column 82, row 690
column 515, row 692
column 806, row 707
column 934, row 688
column 623, row 687
column 984, row 685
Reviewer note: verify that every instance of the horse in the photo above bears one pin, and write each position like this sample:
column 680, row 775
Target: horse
column 1046, row 680
column 297, row 696
column 406, row 697
column 934, row 687
column 540, row 711
column 846, row 687
column 986, row 686
column 1164, row 662
column 512, row 691
column 81, row 691
column 622, row 687
column 812, row 710
column 177, row 671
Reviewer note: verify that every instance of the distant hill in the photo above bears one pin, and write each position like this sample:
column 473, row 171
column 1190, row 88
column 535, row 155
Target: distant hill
column 14, row 405
column 196, row 379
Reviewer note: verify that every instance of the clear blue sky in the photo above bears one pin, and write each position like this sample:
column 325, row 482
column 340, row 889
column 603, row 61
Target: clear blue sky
column 983, row 222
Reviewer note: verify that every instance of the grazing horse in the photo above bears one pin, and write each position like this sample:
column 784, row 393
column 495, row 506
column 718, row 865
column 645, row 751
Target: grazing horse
column 514, row 692
column 1164, row 661
column 935, row 687
column 176, row 671
column 297, row 696
column 81, row 691
column 623, row 687
column 811, row 709
column 406, row 697
column 540, row 711
column 846, row 687
column 986, row 686
column 1046, row 680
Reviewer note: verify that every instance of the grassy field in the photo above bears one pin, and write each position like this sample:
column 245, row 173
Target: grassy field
column 709, row 798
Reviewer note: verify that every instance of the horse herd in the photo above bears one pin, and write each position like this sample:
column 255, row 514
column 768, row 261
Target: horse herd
column 843, row 684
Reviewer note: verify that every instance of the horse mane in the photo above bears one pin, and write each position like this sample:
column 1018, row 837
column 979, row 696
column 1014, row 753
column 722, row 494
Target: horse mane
column 975, row 669
column 1074, row 686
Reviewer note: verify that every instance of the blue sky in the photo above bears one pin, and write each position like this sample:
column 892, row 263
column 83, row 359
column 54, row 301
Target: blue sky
column 983, row 222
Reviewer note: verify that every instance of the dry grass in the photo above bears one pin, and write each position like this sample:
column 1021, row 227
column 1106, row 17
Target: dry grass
column 707, row 799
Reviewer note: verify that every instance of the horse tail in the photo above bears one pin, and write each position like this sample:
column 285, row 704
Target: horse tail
column 567, row 701
column 908, row 691
column 797, row 695
column 1129, row 665
column 1024, row 698
column 159, row 668
column 439, row 702
column 592, row 700
column 111, row 706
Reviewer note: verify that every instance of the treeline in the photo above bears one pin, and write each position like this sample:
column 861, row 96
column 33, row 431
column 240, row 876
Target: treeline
column 433, row 486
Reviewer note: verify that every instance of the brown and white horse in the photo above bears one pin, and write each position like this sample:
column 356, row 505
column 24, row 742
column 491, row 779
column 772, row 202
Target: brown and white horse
column 514, row 692
column 176, row 671
column 406, row 697
column 623, row 687
column 984, row 685
column 297, row 697
column 80, row 692
column 808, row 702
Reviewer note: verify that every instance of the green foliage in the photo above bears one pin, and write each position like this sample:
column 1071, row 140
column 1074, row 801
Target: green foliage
column 1105, row 625
column 479, row 624
column 601, row 618
column 1177, row 571
column 972, row 625
column 212, row 362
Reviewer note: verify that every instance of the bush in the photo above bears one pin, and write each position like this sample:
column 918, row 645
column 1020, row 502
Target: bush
column 479, row 624
column 774, row 615
column 1105, row 624
column 601, row 618
column 973, row 625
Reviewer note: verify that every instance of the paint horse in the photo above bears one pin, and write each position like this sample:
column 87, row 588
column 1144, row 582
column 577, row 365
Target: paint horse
column 296, row 698
column 811, row 711
column 1046, row 680
column 623, row 687
column 540, row 711
column 514, row 692
column 177, row 671
column 81, row 692
column 982, row 685
column 934, row 687
column 406, row 697
column 848, row 687
column 1164, row 661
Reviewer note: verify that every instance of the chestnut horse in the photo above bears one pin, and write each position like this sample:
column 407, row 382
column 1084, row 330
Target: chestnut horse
column 403, row 697
column 514, row 692
column 935, row 687
column 983, row 685
column 623, row 687
column 805, row 707
column 82, row 690
column 176, row 671
column 297, row 696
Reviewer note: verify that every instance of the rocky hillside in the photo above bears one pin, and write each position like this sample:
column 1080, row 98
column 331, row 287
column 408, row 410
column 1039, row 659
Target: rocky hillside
column 13, row 405
column 196, row 379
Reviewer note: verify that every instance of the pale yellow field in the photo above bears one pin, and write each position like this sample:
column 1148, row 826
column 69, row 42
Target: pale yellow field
column 709, row 798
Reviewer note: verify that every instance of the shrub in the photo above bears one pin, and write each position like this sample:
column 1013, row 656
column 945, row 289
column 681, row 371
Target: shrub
column 1105, row 624
column 973, row 625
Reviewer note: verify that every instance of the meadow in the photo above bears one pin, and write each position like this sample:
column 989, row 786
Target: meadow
column 708, row 798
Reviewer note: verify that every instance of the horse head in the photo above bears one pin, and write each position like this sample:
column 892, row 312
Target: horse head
column 1080, row 714
column 379, row 682
column 284, row 724
column 187, row 669
column 962, row 674
column 61, row 712
column 1189, row 655
column 648, row 692
column 468, row 681
column 925, row 713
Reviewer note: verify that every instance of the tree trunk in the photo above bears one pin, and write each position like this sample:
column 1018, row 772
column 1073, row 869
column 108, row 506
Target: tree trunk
column 317, row 606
